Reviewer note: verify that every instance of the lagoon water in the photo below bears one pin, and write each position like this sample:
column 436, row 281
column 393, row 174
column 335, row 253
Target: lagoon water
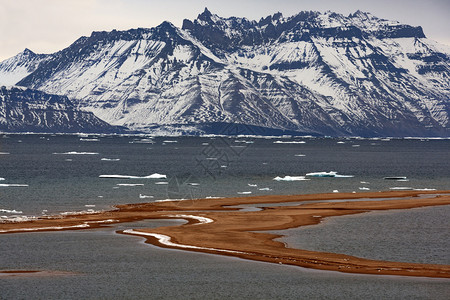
column 47, row 174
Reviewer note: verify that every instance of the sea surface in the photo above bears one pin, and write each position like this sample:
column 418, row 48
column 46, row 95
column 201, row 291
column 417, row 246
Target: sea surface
column 52, row 174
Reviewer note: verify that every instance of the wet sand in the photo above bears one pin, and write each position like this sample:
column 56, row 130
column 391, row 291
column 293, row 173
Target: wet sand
column 215, row 227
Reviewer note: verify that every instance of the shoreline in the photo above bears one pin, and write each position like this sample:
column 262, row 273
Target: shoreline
column 213, row 226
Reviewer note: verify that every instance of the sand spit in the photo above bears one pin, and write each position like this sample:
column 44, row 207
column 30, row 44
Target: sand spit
column 33, row 273
column 225, row 230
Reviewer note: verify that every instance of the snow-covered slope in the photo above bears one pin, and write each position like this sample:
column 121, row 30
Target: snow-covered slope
column 25, row 110
column 318, row 73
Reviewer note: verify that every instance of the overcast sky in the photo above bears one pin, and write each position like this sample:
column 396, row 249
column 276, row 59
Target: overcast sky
column 46, row 26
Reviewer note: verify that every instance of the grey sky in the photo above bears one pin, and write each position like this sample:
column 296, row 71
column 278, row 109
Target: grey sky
column 46, row 26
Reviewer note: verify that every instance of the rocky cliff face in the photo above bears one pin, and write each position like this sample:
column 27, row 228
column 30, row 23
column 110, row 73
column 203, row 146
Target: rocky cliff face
column 316, row 73
column 25, row 110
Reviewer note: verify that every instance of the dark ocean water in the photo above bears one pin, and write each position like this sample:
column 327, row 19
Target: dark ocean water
column 111, row 266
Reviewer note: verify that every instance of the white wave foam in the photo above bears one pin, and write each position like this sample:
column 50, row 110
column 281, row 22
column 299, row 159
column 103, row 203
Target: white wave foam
column 4, row 153
column 152, row 176
column 12, row 185
column 1, row 179
column 130, row 184
column 244, row 193
column 265, row 189
column 166, row 240
column 364, row 189
column 161, row 182
column 400, row 188
column 252, row 185
column 300, row 155
column 76, row 153
column 89, row 140
column 110, row 159
column 290, row 178
column 424, row 189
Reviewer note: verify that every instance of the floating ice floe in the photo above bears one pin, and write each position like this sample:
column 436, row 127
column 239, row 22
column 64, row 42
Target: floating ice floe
column 76, row 153
column 165, row 240
column 289, row 142
column 110, row 159
column 142, row 141
column 328, row 174
column 152, row 176
column 130, row 184
column 11, row 211
column 395, row 178
column 290, row 178
column 335, row 191
column 12, row 185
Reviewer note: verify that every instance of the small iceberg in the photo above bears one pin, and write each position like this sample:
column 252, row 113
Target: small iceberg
column 290, row 178
column 77, row 153
column 328, row 174
column 152, row 176
column 395, row 178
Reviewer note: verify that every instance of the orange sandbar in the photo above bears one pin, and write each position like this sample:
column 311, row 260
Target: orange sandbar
column 215, row 227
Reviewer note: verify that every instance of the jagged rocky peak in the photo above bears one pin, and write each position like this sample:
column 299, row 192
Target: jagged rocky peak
column 26, row 110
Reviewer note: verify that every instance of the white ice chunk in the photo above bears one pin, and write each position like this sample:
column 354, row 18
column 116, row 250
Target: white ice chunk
column 289, row 142
column 76, row 153
column 290, row 178
column 152, row 176
column 328, row 174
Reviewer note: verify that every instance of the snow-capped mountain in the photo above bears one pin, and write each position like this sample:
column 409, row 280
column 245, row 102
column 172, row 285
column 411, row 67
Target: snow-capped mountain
column 25, row 110
column 315, row 73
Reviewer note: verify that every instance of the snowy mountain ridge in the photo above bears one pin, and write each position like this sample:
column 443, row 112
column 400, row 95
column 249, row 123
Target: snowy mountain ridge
column 312, row 73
